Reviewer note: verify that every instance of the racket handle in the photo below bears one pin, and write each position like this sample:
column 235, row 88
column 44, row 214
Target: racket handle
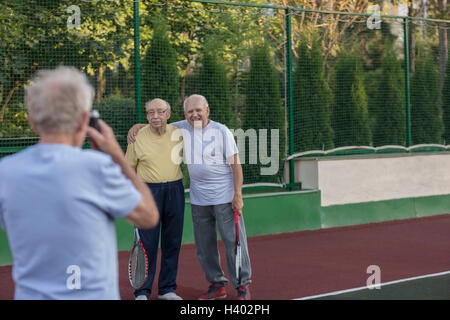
column 236, row 216
column 236, row 222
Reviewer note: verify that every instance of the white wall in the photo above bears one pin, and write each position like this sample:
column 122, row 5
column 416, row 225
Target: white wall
column 344, row 180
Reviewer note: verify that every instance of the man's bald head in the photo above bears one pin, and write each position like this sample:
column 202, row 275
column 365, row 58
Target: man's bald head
column 196, row 100
column 156, row 103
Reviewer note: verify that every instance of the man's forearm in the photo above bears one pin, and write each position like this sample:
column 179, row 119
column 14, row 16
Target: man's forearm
column 237, row 203
column 237, row 178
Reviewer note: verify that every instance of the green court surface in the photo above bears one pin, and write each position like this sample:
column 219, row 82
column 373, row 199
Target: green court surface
column 427, row 287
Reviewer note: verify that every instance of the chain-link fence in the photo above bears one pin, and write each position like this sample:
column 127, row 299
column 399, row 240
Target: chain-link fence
column 287, row 81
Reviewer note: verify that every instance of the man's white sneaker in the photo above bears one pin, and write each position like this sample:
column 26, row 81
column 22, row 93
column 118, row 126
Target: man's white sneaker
column 141, row 297
column 169, row 296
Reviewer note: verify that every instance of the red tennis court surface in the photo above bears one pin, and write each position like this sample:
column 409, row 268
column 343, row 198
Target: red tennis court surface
column 305, row 263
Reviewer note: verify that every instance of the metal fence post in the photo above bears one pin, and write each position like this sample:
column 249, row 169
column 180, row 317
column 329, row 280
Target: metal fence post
column 407, row 89
column 137, row 62
column 289, row 96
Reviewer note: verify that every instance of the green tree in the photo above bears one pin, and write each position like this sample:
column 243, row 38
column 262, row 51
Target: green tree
column 263, row 110
column 350, row 119
column 388, row 105
column 35, row 35
column 426, row 114
column 213, row 83
column 312, row 100
column 15, row 124
column 233, row 29
column 120, row 114
column 159, row 70
column 446, row 102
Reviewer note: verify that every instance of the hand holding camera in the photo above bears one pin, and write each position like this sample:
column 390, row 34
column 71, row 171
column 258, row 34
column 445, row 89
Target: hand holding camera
column 93, row 121
column 101, row 137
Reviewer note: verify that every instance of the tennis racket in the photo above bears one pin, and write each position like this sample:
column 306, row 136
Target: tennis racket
column 238, row 250
column 137, row 263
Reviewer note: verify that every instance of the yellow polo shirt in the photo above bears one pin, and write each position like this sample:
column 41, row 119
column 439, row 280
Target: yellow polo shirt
column 151, row 155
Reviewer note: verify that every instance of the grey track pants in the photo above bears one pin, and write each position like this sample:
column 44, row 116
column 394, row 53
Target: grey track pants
column 206, row 219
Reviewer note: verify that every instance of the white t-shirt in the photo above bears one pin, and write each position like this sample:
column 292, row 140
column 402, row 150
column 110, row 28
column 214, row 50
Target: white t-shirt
column 205, row 151
column 57, row 205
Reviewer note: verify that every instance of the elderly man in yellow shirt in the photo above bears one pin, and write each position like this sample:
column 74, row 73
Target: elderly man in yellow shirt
column 152, row 157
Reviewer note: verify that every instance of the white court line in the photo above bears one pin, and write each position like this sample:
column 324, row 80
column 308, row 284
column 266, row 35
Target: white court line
column 367, row 287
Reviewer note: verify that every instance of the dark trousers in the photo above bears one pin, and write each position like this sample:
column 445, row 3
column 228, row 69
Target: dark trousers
column 169, row 198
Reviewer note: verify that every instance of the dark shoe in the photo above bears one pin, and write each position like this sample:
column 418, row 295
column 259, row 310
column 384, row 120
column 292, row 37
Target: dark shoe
column 243, row 293
column 214, row 292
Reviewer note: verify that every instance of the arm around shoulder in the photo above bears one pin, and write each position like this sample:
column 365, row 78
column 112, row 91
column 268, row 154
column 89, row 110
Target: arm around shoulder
column 132, row 133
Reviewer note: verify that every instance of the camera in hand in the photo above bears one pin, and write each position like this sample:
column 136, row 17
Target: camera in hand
column 93, row 121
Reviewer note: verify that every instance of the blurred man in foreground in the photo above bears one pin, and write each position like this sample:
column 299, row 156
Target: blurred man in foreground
column 58, row 202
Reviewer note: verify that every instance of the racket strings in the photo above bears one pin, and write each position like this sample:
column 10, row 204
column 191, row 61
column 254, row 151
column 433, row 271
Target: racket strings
column 139, row 267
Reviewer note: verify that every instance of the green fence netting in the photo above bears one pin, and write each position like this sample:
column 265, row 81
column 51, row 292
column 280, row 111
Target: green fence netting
column 287, row 81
